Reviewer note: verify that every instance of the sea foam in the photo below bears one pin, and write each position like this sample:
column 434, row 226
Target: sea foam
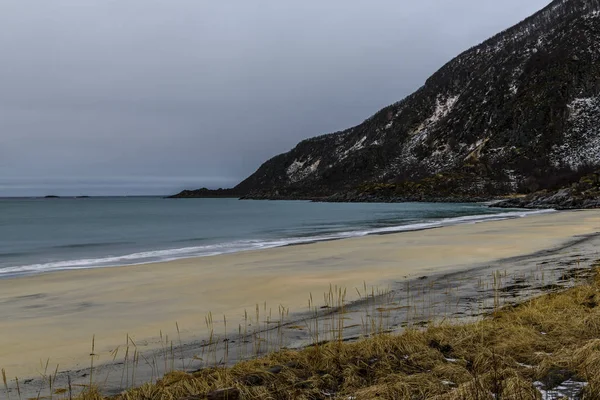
column 172, row 254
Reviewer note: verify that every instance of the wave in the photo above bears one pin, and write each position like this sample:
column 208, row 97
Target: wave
column 191, row 240
column 246, row 245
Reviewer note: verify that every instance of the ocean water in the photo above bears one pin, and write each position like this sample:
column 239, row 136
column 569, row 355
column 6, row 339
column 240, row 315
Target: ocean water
column 44, row 235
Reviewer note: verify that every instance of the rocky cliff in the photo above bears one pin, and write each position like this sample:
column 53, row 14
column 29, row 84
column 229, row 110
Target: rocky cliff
column 582, row 194
column 515, row 114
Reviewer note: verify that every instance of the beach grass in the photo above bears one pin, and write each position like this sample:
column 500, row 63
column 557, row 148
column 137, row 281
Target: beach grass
column 547, row 340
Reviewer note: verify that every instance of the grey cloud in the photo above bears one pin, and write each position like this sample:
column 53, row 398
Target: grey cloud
column 153, row 90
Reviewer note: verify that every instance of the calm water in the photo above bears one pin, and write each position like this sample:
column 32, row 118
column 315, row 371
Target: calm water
column 41, row 235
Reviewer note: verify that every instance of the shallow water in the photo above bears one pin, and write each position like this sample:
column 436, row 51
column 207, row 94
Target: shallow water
column 41, row 235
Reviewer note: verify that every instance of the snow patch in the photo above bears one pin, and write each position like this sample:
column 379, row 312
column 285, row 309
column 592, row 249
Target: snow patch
column 357, row 146
column 342, row 154
column 478, row 144
column 299, row 170
column 525, row 365
column 441, row 157
column 581, row 142
column 512, row 178
column 442, row 108
column 567, row 390
column 295, row 166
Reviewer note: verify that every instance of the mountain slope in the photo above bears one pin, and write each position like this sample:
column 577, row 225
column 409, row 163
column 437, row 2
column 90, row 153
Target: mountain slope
column 518, row 113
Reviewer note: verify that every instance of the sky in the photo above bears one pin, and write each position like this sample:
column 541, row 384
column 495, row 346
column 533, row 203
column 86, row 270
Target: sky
column 139, row 97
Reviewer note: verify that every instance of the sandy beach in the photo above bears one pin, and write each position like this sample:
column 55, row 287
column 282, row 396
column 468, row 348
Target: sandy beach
column 54, row 316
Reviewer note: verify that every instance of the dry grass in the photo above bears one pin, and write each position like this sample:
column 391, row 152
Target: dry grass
column 497, row 357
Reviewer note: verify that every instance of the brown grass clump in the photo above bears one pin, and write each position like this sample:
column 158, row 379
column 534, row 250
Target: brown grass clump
column 547, row 338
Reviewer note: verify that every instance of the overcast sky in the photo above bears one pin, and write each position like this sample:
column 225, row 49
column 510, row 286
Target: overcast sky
column 153, row 96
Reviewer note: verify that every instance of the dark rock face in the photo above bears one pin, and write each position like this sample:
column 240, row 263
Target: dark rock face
column 517, row 114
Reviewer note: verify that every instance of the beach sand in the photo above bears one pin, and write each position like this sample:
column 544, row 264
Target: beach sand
column 54, row 316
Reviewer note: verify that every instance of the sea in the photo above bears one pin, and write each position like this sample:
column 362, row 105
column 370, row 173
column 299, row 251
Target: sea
column 45, row 235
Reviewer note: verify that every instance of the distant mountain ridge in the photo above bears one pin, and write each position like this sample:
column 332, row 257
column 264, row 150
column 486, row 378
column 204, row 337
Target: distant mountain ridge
column 518, row 113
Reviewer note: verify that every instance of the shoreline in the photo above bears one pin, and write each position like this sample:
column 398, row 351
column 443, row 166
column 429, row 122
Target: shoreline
column 34, row 269
column 378, row 259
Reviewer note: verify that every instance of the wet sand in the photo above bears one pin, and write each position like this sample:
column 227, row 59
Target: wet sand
column 54, row 316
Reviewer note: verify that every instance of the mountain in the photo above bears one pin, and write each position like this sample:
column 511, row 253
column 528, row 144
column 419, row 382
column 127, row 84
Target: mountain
column 515, row 114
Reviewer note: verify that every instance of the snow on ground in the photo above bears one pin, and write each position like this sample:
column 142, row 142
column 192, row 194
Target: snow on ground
column 442, row 156
column 357, row 146
column 569, row 390
column 294, row 167
column 513, row 179
column 299, row 170
column 342, row 153
column 581, row 144
column 442, row 108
